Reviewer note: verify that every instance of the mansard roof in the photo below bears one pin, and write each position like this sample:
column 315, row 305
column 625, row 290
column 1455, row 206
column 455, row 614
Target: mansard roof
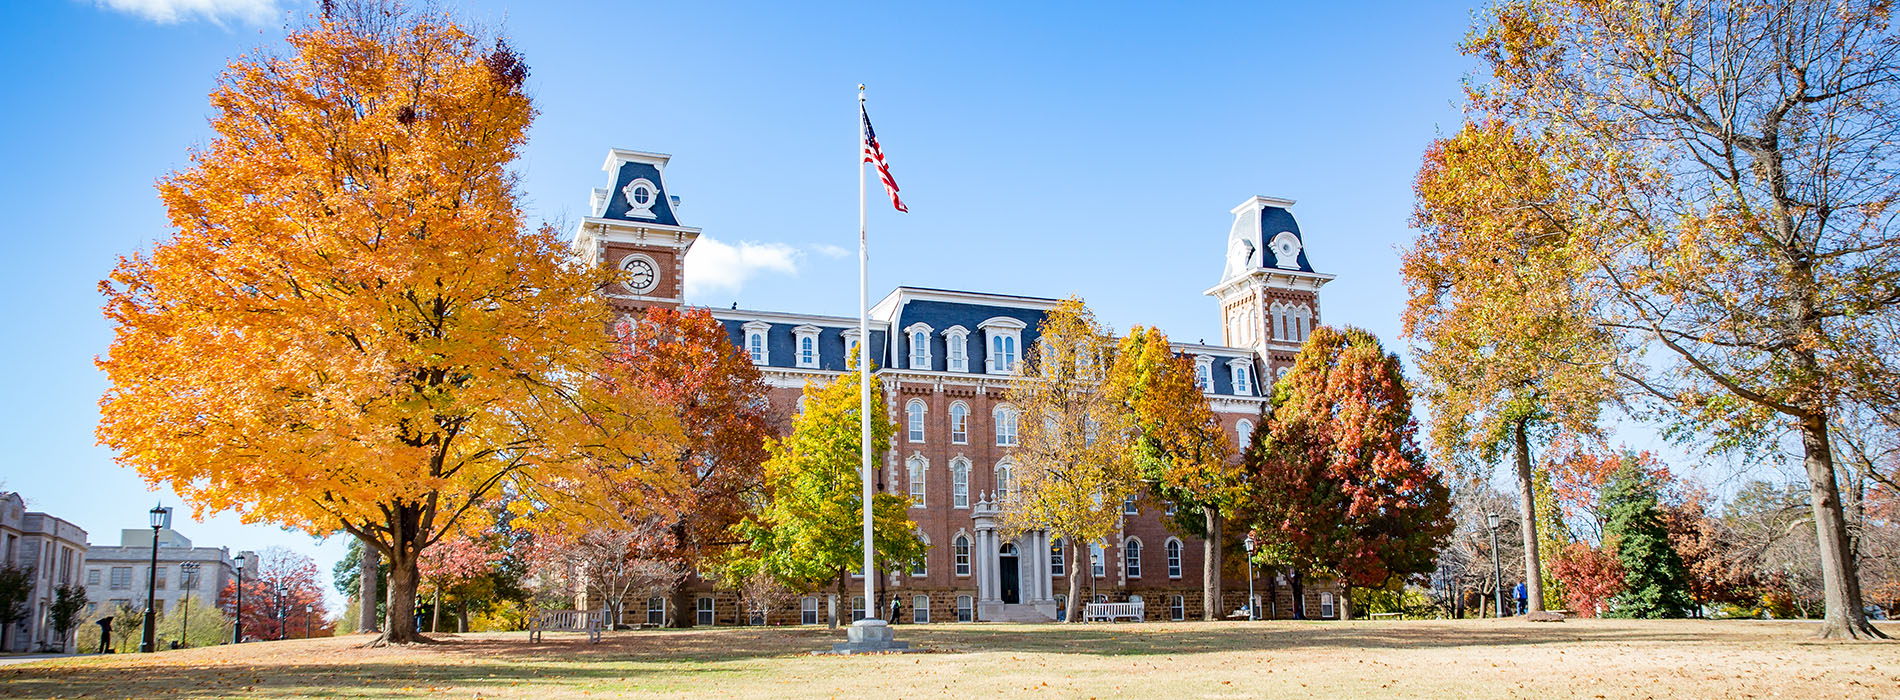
column 624, row 168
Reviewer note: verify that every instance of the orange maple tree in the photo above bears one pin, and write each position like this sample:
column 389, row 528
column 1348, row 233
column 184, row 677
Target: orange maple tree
column 350, row 327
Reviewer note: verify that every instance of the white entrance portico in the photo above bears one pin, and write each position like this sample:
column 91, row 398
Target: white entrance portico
column 1012, row 577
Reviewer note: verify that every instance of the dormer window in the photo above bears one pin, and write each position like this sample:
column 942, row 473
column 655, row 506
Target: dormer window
column 956, row 349
column 1286, row 251
column 641, row 196
column 807, row 345
column 1204, row 373
column 851, row 338
column 919, row 335
column 1003, row 338
column 755, row 342
column 1243, row 376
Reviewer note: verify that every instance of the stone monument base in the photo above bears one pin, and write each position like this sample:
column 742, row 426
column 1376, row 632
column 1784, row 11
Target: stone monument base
column 870, row 636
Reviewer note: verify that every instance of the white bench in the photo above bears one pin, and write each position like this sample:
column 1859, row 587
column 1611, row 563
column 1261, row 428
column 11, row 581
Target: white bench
column 1111, row 612
column 589, row 621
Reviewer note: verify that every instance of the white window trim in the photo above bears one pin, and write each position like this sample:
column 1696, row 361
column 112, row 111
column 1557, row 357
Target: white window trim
column 917, row 475
column 706, row 611
column 1242, row 437
column 954, row 338
column 1204, row 367
column 961, row 563
column 920, row 611
column 910, row 335
column 1001, row 327
column 954, row 440
column 1131, row 554
column 915, row 435
column 1098, row 560
column 923, row 565
column 1058, row 555
column 960, row 466
column 764, row 332
column 1177, row 608
column 635, row 209
column 799, row 336
column 1234, row 367
column 850, row 337
column 966, row 607
column 1326, row 608
column 1004, row 474
column 1172, row 554
column 997, row 421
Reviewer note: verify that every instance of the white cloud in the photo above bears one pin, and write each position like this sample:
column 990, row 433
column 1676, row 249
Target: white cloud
column 830, row 251
column 256, row 12
column 716, row 265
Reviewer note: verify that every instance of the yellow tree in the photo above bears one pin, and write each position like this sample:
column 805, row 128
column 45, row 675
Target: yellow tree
column 807, row 528
column 350, row 328
column 1724, row 173
column 1074, row 462
column 1179, row 448
column 1508, row 352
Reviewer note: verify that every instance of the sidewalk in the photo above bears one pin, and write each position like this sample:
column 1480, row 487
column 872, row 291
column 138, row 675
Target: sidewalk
column 11, row 659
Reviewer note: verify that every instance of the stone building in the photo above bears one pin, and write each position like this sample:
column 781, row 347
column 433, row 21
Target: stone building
column 54, row 550
column 116, row 575
column 945, row 361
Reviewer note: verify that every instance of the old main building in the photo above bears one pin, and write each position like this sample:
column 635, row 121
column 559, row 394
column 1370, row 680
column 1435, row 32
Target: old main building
column 946, row 359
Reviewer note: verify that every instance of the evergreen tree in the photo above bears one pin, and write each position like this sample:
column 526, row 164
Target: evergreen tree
column 1656, row 584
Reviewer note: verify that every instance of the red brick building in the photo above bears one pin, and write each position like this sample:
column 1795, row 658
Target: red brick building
column 946, row 359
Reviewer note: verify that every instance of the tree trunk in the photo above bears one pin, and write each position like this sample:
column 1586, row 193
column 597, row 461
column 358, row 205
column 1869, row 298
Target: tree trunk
column 1839, row 582
column 1299, row 595
column 1211, row 565
column 435, row 610
column 1345, row 601
column 1527, row 515
column 680, row 598
column 371, row 565
column 402, row 600
column 841, row 600
column 1075, row 579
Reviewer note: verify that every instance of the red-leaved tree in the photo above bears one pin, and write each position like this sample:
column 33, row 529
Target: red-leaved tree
column 1337, row 480
column 278, row 586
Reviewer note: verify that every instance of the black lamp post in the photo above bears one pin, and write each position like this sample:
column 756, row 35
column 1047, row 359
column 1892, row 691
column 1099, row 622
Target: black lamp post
column 237, row 628
column 306, row 620
column 161, row 519
column 282, row 591
column 1251, row 615
column 1497, row 568
column 187, row 579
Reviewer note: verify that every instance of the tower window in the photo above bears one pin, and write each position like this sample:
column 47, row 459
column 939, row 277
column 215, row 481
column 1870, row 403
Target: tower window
column 914, row 419
column 959, row 423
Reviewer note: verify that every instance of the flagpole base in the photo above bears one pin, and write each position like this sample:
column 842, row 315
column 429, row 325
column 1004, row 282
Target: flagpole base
column 870, row 636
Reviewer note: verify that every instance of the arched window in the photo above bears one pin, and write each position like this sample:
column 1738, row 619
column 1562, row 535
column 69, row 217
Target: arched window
column 914, row 419
column 922, row 567
column 755, row 346
column 961, row 546
column 919, row 350
column 1173, row 549
column 800, row 405
column 1058, row 564
column 917, row 466
column 1005, row 420
column 808, row 351
column 959, row 423
column 1243, row 430
column 1131, row 556
column 1005, row 481
column 960, row 482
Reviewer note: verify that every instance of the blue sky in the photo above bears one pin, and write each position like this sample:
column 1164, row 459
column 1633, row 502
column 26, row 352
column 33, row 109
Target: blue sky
column 1044, row 149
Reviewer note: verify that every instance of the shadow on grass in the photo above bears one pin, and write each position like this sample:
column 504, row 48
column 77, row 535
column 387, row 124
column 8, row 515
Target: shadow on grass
column 627, row 662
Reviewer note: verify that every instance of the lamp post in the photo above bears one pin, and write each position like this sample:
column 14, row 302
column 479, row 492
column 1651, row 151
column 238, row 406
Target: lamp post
column 161, row 519
column 237, row 628
column 1251, row 614
column 187, row 579
column 306, row 620
column 282, row 591
column 1497, row 568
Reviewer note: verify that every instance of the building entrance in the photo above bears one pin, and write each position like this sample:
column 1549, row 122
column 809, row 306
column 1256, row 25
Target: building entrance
column 1011, row 575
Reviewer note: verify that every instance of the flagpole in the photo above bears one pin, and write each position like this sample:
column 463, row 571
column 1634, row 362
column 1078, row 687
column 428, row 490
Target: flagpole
column 864, row 374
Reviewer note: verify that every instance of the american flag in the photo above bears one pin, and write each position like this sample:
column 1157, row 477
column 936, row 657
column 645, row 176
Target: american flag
column 875, row 156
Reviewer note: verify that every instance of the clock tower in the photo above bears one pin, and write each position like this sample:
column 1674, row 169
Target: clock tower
column 633, row 225
column 1269, row 292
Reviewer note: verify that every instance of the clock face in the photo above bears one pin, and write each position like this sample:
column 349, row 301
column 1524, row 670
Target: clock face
column 642, row 275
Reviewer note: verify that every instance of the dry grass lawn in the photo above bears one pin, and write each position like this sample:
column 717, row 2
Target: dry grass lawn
column 1464, row 659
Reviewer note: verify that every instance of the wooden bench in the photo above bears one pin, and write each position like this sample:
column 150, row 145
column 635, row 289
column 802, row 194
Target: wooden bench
column 589, row 621
column 1111, row 612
